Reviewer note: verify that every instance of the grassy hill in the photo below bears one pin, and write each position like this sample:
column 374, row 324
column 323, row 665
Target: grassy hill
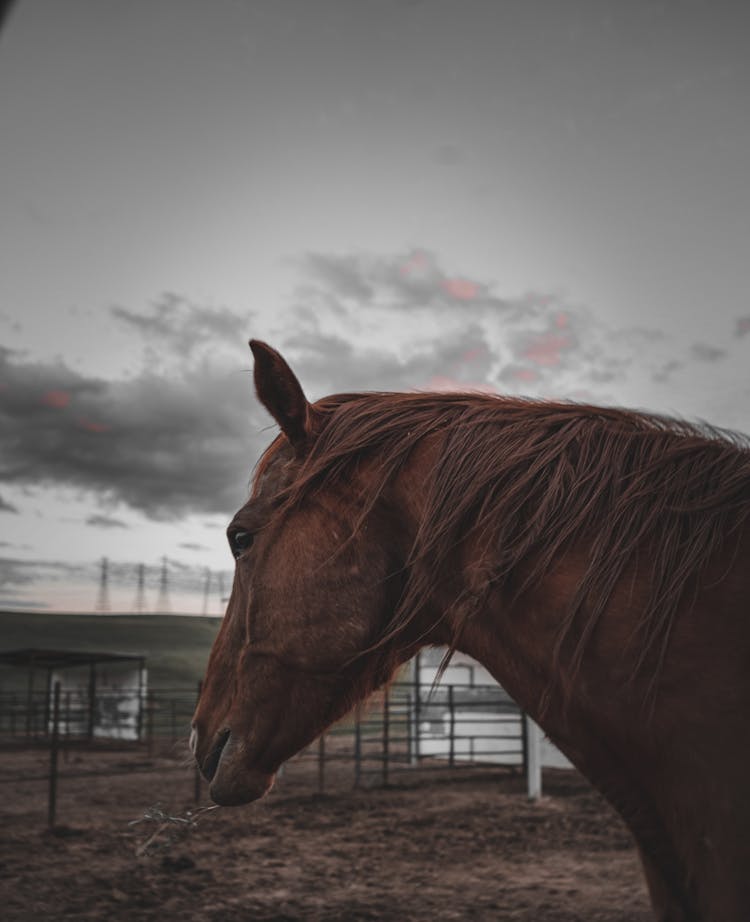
column 176, row 647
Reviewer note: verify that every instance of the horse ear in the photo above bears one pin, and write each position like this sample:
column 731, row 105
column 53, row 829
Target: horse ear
column 281, row 394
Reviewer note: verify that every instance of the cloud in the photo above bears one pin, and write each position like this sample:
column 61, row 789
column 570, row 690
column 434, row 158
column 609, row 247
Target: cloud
column 105, row 521
column 327, row 363
column 410, row 281
column 742, row 327
column 422, row 326
column 7, row 507
column 366, row 321
column 668, row 369
column 705, row 353
column 346, row 275
column 194, row 546
column 181, row 435
column 15, row 571
column 162, row 444
column 180, row 327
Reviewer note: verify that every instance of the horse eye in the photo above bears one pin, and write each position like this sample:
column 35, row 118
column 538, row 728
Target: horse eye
column 240, row 541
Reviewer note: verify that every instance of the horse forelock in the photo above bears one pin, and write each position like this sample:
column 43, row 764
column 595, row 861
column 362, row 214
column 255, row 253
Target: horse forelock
column 531, row 477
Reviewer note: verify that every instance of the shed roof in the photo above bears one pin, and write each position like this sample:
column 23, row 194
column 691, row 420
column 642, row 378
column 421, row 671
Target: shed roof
column 31, row 657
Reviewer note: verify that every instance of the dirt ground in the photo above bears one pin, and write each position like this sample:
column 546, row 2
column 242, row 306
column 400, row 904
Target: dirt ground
column 467, row 846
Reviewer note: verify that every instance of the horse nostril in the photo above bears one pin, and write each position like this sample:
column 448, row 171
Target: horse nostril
column 211, row 762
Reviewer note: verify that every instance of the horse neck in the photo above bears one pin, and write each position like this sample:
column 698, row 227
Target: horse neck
column 514, row 636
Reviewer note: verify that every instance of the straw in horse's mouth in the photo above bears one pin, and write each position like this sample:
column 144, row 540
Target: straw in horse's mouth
column 211, row 762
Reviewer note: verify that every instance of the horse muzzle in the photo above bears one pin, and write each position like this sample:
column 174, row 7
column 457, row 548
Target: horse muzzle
column 229, row 771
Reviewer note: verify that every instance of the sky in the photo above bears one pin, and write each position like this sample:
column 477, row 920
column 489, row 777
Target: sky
column 545, row 198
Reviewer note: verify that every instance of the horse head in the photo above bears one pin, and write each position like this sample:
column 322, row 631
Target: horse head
column 315, row 582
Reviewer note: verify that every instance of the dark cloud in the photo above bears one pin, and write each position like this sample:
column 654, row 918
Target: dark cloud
column 706, row 353
column 163, row 444
column 105, row 521
column 666, row 370
column 347, row 275
column 194, row 546
column 15, row 571
column 6, row 8
column 7, row 507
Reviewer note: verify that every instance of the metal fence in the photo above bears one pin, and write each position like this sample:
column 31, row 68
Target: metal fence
column 122, row 715
column 405, row 731
column 400, row 729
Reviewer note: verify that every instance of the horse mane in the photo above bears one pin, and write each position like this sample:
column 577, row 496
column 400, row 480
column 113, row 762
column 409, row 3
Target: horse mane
column 529, row 479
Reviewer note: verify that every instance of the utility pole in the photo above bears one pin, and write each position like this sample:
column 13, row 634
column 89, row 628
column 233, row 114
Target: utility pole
column 102, row 601
column 140, row 596
column 162, row 604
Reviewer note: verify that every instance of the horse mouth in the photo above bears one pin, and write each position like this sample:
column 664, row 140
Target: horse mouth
column 211, row 762
column 234, row 778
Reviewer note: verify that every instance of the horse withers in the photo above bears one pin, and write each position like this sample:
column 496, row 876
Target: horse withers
column 596, row 561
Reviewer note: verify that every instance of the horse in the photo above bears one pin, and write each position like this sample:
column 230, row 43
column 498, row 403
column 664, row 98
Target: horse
column 595, row 560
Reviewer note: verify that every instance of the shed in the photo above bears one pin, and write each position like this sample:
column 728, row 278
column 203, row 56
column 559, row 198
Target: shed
column 93, row 695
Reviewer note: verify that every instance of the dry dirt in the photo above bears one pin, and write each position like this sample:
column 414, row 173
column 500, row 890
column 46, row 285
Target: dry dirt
column 467, row 846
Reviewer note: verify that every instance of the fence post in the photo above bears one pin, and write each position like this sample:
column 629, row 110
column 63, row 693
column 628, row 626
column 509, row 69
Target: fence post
column 29, row 697
column 150, row 722
column 66, row 747
column 47, row 701
column 452, row 712
column 92, row 700
column 52, row 800
column 139, row 715
column 534, row 759
column 357, row 746
column 417, row 708
column 321, row 763
column 197, row 781
column 386, row 733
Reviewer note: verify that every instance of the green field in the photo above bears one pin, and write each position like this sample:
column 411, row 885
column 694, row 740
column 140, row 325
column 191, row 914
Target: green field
column 176, row 647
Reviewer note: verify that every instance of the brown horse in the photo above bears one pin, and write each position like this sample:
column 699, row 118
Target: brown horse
column 596, row 561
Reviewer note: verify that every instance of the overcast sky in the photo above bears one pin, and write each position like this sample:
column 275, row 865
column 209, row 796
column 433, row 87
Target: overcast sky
column 547, row 198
